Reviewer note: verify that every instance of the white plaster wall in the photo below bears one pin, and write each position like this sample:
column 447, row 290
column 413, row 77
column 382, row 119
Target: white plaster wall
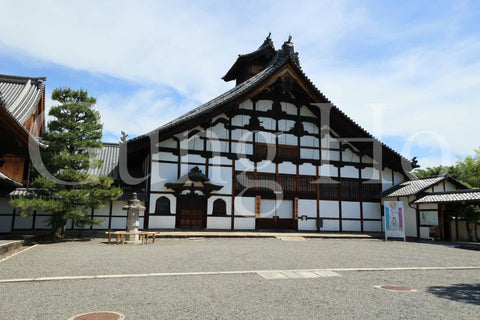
column 311, row 128
column 330, row 155
column 438, row 187
column 424, row 232
column 372, row 210
column 5, row 223
column 349, row 156
column 329, row 142
column 103, row 211
column 240, row 120
column 169, row 143
column 307, row 169
column 328, row 170
column 222, row 223
column 264, row 105
column 288, row 139
column 221, row 116
column 285, row 125
column 195, row 143
column 265, row 137
column 220, row 160
column 244, row 223
column 309, row 225
column 329, row 209
column 247, row 104
column 217, row 132
column 221, row 176
column 155, row 196
column 162, row 173
column 450, row 186
column 307, row 207
column 309, row 153
column 370, row 173
column 23, row 222
column 242, row 148
column 117, row 208
column 287, row 167
column 5, row 207
column 398, row 178
column 104, row 226
column 372, row 226
column 267, row 123
column 349, row 172
column 211, row 200
column 161, row 222
column 309, row 141
column 285, row 209
column 244, row 165
column 304, row 111
column 350, row 209
column 267, row 208
column 245, row 206
column 387, row 178
column 192, row 158
column 119, row 223
column 289, row 108
column 351, row 225
column 266, row 166
column 331, row 225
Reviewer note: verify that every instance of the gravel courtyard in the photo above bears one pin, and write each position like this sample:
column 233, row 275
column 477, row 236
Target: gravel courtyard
column 229, row 279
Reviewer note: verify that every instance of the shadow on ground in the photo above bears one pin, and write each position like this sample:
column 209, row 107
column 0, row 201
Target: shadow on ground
column 463, row 292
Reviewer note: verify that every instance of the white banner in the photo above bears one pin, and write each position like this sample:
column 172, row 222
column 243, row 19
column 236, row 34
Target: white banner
column 394, row 219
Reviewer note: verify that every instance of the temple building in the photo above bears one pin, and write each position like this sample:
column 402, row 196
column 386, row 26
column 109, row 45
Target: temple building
column 271, row 153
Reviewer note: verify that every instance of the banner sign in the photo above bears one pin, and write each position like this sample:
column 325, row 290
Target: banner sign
column 394, row 219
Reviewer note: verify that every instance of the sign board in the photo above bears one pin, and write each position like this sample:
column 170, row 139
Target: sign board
column 394, row 219
column 429, row 218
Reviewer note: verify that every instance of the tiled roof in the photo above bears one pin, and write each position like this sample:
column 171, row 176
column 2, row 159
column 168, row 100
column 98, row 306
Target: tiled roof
column 412, row 187
column 283, row 55
column 109, row 155
column 471, row 195
column 20, row 95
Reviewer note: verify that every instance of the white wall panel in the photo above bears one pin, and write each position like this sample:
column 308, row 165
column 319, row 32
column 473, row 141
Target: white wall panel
column 162, row 173
column 398, row 178
column 330, row 142
column 266, row 166
column 193, row 158
column 264, row 105
column 450, row 186
column 169, row 143
column 5, row 207
column 186, row 168
column 372, row 226
column 387, row 177
column 350, row 209
column 244, row 165
column 265, row 137
column 307, row 169
column 104, row 226
column 267, row 123
column 242, row 148
column 220, row 160
column 289, row 108
column 370, row 173
column 244, row 223
column 267, row 208
column 349, row 156
column 5, row 223
column 328, row 170
column 285, row 209
column 309, row 141
column 161, row 222
column 220, row 116
column 309, row 154
column 23, row 222
column 351, row 225
column 222, row 223
column 240, row 120
column 331, row 155
column 221, row 176
column 329, row 209
column 371, row 210
column 211, row 200
column 242, row 135
column 247, row 104
column 245, row 206
column 119, row 223
column 287, row 167
column 304, row 111
column 103, row 211
column 310, row 128
column 307, row 207
column 117, row 208
column 309, row 225
column 287, row 139
column 330, row 225
column 349, row 172
column 217, row 132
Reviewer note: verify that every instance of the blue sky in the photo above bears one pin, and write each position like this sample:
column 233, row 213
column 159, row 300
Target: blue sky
column 406, row 71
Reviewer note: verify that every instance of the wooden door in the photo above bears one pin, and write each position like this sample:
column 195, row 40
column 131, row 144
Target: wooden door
column 192, row 212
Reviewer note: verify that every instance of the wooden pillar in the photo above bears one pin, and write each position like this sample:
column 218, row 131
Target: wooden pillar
column 232, row 207
column 318, row 200
column 110, row 216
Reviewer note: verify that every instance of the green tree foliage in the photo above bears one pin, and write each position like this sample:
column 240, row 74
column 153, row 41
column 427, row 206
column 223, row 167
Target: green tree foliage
column 74, row 130
column 467, row 171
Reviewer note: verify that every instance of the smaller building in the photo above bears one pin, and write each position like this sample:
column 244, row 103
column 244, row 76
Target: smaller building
column 432, row 206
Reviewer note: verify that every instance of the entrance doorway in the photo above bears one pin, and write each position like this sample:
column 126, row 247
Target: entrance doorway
column 191, row 212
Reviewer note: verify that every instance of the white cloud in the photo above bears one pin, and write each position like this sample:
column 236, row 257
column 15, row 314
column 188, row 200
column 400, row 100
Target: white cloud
column 426, row 82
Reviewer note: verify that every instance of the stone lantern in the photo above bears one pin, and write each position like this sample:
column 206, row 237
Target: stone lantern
column 133, row 213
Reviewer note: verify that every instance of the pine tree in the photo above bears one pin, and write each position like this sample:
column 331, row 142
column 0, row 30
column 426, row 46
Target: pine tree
column 73, row 194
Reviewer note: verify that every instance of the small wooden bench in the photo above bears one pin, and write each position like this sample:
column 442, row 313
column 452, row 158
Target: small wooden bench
column 120, row 235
